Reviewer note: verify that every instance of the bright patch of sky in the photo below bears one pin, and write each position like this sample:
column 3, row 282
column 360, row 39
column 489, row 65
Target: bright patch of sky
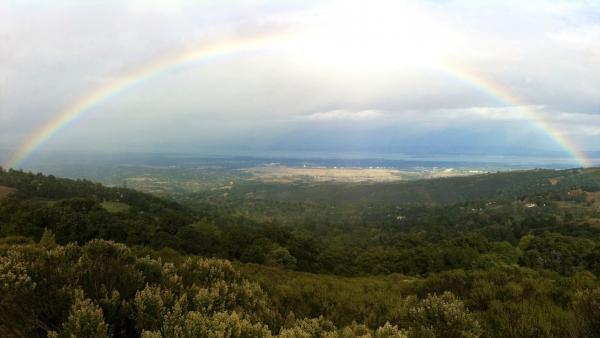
column 379, row 70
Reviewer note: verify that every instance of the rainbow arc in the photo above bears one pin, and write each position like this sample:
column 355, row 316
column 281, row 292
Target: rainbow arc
column 226, row 47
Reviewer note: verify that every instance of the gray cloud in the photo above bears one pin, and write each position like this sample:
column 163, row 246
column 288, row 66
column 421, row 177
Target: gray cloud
column 53, row 53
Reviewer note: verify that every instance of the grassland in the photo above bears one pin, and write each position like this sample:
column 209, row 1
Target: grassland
column 115, row 207
column 289, row 174
column 285, row 174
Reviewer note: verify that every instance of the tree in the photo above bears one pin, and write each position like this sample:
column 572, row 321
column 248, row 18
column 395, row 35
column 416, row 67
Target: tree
column 390, row 331
column 17, row 295
column 443, row 316
column 309, row 328
column 85, row 320
column 107, row 266
column 150, row 305
column 48, row 239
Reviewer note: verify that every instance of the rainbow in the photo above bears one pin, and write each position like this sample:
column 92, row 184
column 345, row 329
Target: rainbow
column 102, row 94
column 231, row 46
column 504, row 96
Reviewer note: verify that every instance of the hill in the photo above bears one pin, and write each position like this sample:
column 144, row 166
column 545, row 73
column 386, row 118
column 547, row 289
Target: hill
column 430, row 191
column 518, row 261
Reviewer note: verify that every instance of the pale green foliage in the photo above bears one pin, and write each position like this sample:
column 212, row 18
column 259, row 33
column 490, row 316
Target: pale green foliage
column 204, row 272
column 151, row 334
column 524, row 243
column 35, row 282
column 48, row 239
column 16, row 293
column 170, row 277
column 230, row 325
column 152, row 269
column 222, row 296
column 204, row 301
column 111, row 265
column 85, row 320
column 309, row 328
column 179, row 323
column 204, row 298
column 322, row 328
column 443, row 316
column 150, row 305
column 14, row 278
column 280, row 256
column 192, row 324
column 355, row 331
column 389, row 331
column 290, row 320
column 111, row 304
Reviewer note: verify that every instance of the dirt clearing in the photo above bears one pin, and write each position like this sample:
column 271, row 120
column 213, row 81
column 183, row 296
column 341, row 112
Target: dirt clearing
column 5, row 191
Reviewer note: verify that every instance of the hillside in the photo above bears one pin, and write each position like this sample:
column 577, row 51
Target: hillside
column 347, row 239
column 512, row 262
column 430, row 191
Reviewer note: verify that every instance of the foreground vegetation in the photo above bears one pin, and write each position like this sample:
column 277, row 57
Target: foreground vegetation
column 78, row 259
column 104, row 289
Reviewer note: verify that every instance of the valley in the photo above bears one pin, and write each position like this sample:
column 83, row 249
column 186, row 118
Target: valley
column 325, row 253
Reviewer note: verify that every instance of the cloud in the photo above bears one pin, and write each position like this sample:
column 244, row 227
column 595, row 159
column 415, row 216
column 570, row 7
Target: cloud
column 384, row 72
column 345, row 115
column 585, row 37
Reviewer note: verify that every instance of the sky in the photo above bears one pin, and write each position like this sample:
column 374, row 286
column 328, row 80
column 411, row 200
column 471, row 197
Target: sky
column 373, row 76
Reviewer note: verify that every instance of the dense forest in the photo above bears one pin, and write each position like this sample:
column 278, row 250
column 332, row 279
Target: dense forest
column 498, row 255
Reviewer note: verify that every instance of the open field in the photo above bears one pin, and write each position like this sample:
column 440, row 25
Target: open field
column 5, row 191
column 283, row 174
column 115, row 207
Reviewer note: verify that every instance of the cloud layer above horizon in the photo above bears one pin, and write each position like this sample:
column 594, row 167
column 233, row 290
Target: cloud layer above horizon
column 344, row 75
